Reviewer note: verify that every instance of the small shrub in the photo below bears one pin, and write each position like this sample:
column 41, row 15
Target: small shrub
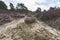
column 29, row 20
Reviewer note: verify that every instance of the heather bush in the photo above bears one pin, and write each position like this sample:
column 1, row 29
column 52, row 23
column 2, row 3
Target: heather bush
column 8, row 18
column 19, row 15
column 4, row 18
column 52, row 13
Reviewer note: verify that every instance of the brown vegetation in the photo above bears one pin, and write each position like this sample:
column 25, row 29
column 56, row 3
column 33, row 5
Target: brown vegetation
column 29, row 20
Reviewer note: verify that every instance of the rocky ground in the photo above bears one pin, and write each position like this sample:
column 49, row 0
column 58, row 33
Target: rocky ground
column 19, row 30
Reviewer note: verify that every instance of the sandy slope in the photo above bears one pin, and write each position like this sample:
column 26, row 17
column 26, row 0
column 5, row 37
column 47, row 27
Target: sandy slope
column 39, row 28
column 42, row 29
column 11, row 24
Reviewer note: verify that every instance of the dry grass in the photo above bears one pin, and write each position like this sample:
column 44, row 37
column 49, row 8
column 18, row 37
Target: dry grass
column 25, row 25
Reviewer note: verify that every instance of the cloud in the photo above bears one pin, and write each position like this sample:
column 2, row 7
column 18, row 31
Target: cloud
column 46, row 4
column 29, row 3
column 33, row 4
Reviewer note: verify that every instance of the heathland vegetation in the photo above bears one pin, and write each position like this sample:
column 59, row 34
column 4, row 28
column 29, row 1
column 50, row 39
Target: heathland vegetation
column 51, row 16
column 22, row 24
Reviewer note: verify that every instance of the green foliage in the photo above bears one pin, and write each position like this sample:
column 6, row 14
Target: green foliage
column 3, row 5
column 38, row 10
column 11, row 7
column 21, row 8
column 52, row 8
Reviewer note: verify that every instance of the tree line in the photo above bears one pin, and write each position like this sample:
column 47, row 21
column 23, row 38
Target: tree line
column 52, row 13
column 19, row 8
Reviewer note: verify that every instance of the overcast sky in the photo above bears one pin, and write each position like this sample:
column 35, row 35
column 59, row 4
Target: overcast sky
column 33, row 4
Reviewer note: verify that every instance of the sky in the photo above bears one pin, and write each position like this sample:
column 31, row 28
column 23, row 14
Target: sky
column 33, row 4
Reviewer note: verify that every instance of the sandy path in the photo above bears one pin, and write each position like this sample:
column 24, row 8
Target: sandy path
column 41, row 25
column 11, row 24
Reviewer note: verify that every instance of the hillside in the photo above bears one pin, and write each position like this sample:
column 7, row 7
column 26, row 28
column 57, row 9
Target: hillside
column 23, row 20
column 19, row 30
